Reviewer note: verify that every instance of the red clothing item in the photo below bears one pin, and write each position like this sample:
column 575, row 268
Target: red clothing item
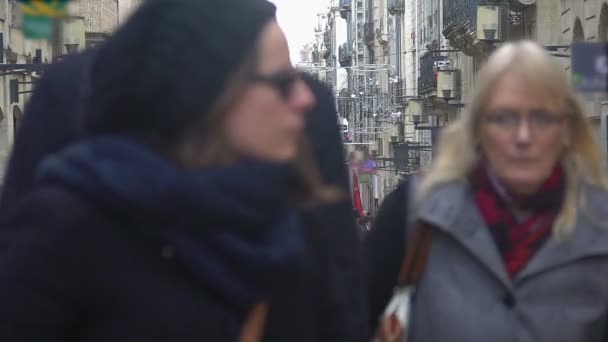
column 357, row 204
column 518, row 239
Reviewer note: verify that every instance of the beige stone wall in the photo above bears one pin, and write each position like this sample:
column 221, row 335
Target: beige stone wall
column 126, row 8
column 95, row 16
column 10, row 24
column 590, row 15
column 100, row 15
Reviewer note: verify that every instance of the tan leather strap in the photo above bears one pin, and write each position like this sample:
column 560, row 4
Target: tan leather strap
column 253, row 329
column 416, row 254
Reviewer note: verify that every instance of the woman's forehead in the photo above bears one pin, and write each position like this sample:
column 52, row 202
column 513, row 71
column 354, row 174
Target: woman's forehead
column 514, row 91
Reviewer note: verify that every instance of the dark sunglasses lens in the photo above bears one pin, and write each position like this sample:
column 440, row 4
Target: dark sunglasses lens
column 285, row 85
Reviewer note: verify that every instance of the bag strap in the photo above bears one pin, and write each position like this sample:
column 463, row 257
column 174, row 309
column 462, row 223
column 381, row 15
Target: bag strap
column 416, row 254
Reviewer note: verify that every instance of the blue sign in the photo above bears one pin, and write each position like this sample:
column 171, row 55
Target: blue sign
column 590, row 67
column 367, row 167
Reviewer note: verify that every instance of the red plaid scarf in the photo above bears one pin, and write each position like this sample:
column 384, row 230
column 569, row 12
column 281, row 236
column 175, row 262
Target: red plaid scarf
column 518, row 240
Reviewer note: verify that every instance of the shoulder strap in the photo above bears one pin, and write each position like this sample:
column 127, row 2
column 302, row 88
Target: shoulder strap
column 416, row 254
column 417, row 242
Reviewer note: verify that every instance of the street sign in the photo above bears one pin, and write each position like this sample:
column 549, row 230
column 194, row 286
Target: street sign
column 38, row 16
column 590, row 67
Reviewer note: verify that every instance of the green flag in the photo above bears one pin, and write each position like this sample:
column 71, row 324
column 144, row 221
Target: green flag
column 38, row 16
column 37, row 27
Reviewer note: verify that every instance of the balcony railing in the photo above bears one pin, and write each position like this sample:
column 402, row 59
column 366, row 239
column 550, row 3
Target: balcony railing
column 345, row 55
column 400, row 90
column 368, row 33
column 345, row 6
column 396, row 6
column 459, row 14
column 462, row 14
column 327, row 39
column 316, row 56
column 429, row 64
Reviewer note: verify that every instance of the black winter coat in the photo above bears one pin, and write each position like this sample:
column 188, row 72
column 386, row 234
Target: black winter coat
column 384, row 251
column 51, row 120
column 71, row 272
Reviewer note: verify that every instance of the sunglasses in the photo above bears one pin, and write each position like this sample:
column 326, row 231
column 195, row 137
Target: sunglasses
column 282, row 81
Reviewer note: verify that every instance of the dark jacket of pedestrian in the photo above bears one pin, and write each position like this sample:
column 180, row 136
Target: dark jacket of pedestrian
column 51, row 120
column 117, row 243
column 517, row 200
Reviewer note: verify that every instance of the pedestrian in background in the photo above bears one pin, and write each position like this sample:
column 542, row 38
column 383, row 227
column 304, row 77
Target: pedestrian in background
column 516, row 199
column 178, row 216
column 50, row 121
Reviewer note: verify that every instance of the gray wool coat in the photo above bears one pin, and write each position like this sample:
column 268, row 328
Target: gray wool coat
column 465, row 294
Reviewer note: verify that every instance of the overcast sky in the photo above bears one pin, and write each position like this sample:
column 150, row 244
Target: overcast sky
column 298, row 19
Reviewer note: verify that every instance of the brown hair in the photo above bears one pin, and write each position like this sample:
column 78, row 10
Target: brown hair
column 206, row 145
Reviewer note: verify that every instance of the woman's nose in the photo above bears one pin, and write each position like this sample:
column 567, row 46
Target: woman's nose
column 522, row 132
column 303, row 99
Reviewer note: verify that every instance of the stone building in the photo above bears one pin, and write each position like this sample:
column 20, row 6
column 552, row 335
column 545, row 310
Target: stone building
column 436, row 48
column 581, row 21
column 88, row 23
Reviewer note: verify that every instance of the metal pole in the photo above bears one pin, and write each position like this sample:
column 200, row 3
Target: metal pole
column 398, row 44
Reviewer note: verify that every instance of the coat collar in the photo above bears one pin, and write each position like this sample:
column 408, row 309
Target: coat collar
column 451, row 208
column 589, row 238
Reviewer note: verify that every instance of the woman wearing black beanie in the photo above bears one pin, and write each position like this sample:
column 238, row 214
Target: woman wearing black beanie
column 179, row 216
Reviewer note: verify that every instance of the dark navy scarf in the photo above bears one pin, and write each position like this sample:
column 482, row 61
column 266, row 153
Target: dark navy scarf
column 231, row 227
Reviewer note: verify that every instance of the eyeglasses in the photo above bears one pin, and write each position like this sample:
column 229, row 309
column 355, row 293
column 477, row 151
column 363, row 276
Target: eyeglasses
column 282, row 81
column 537, row 120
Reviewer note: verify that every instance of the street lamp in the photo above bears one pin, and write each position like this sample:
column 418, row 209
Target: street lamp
column 71, row 44
column 71, row 48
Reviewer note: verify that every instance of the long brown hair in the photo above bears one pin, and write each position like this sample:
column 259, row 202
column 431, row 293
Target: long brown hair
column 206, row 144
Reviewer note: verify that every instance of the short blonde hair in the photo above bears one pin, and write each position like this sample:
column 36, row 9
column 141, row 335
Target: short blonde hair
column 458, row 151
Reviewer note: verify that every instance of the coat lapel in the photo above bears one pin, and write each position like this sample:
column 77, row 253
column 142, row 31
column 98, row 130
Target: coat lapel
column 451, row 209
column 588, row 240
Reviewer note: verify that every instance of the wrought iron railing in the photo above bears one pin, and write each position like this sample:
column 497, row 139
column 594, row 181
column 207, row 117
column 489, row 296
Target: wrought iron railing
column 327, row 39
column 345, row 6
column 429, row 64
column 368, row 33
column 396, row 6
column 400, row 91
column 399, row 87
column 345, row 55
column 460, row 14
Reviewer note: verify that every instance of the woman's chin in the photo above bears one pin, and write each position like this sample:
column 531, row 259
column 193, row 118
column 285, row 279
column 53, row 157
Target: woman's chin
column 524, row 184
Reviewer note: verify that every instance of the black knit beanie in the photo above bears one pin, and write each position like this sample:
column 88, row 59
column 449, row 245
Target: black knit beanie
column 168, row 65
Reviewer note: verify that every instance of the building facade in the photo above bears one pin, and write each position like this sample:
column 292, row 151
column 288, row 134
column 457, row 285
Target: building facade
column 435, row 49
column 22, row 61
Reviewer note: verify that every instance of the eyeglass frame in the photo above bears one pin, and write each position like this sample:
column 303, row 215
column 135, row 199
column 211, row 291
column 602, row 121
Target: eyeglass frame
column 544, row 119
column 283, row 81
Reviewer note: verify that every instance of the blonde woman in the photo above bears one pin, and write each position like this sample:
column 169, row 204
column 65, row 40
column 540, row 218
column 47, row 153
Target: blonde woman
column 518, row 197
